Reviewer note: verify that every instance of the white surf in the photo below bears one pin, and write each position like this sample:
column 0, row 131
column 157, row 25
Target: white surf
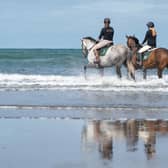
column 93, row 83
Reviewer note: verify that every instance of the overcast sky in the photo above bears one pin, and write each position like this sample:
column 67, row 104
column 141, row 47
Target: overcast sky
column 62, row 23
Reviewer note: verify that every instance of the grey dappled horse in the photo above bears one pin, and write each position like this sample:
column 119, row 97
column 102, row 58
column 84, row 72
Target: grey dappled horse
column 116, row 55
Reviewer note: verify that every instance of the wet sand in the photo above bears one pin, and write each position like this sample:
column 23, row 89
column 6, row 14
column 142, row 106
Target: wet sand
column 83, row 105
column 51, row 143
column 85, row 98
column 80, row 129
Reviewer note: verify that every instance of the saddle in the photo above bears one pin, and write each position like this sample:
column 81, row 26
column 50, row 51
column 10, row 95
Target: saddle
column 103, row 50
column 145, row 55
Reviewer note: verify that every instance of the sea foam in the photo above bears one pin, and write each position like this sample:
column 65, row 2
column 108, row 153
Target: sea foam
column 93, row 83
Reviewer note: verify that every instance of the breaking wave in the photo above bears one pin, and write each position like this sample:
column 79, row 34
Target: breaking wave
column 93, row 83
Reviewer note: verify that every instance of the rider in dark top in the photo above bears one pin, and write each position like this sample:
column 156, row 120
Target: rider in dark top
column 107, row 33
column 151, row 35
column 150, row 38
column 105, row 38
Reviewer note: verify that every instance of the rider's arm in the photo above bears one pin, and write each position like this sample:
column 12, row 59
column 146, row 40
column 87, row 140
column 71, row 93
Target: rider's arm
column 112, row 34
column 101, row 34
column 146, row 37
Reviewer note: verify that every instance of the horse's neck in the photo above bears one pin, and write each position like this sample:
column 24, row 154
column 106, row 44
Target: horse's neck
column 139, row 46
column 136, row 47
column 90, row 44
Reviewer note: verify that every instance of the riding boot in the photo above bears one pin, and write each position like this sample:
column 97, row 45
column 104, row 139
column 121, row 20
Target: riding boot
column 140, row 57
column 97, row 61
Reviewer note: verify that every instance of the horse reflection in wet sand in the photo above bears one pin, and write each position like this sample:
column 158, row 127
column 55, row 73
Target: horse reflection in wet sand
column 105, row 133
column 93, row 132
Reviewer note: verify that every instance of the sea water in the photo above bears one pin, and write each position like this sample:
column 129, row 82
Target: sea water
column 51, row 116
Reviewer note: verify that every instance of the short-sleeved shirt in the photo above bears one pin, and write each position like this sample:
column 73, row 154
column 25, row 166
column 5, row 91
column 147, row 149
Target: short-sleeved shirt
column 107, row 33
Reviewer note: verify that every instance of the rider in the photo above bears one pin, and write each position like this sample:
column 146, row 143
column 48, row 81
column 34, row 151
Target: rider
column 105, row 38
column 151, row 35
column 150, row 38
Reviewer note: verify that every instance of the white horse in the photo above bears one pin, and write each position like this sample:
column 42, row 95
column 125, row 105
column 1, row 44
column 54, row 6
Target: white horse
column 116, row 55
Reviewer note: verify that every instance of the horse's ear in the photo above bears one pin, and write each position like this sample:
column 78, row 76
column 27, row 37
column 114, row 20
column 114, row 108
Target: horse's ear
column 126, row 36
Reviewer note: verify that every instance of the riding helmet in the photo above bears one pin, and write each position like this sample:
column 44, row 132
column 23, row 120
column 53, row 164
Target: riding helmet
column 107, row 20
column 150, row 24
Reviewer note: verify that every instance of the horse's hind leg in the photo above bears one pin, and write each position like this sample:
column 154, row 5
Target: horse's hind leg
column 160, row 73
column 161, row 67
column 118, row 71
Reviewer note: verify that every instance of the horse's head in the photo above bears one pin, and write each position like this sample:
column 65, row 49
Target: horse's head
column 133, row 43
column 87, row 45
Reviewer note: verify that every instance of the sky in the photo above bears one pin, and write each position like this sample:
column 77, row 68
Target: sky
column 62, row 23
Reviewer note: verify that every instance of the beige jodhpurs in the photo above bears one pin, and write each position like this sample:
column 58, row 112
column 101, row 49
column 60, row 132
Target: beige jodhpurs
column 144, row 48
column 101, row 44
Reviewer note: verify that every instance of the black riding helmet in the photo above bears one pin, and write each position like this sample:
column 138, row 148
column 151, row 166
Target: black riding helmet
column 107, row 20
column 150, row 24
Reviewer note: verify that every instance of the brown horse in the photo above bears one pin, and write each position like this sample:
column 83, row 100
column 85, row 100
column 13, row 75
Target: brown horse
column 158, row 58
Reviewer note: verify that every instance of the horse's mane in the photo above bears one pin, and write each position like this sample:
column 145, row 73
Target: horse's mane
column 90, row 38
column 135, row 39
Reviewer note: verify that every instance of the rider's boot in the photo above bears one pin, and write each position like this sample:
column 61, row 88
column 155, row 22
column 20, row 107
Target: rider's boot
column 140, row 62
column 97, row 61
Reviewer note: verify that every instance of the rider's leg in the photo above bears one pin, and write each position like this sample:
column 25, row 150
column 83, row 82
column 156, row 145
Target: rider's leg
column 139, row 59
column 141, row 53
column 96, row 52
column 98, row 46
column 140, row 56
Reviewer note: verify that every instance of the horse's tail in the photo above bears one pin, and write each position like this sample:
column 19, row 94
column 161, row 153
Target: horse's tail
column 129, row 64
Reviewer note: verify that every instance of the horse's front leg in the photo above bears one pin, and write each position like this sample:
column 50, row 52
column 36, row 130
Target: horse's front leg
column 144, row 73
column 101, row 71
column 86, row 67
column 118, row 71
